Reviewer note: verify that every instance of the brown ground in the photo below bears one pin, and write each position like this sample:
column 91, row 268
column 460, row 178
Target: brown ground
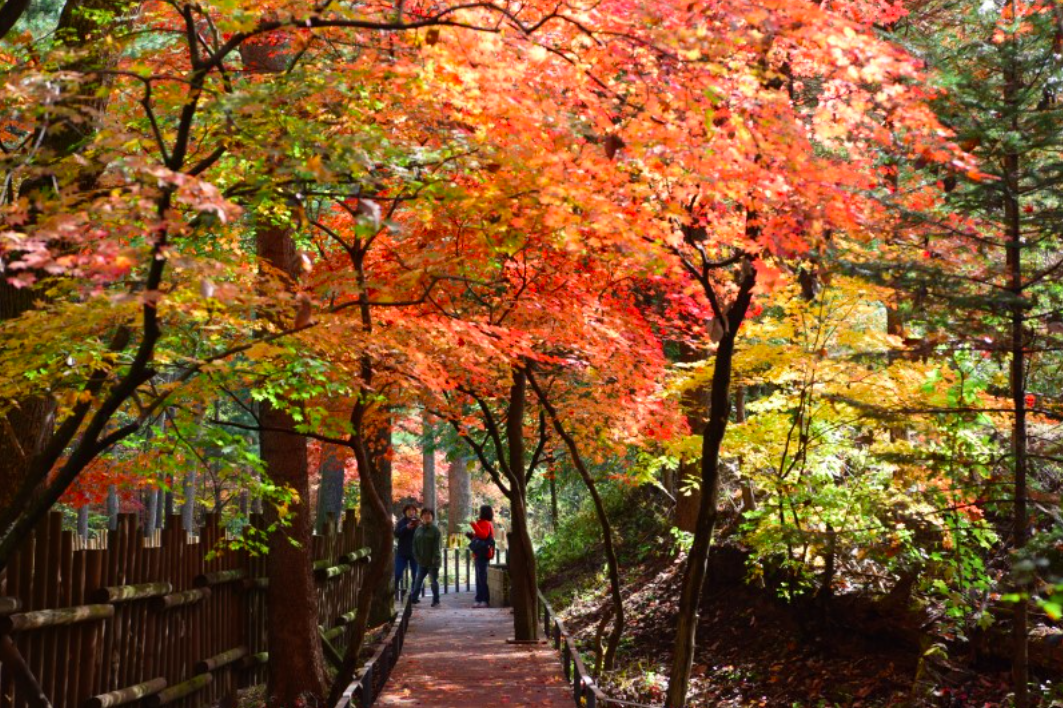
column 755, row 650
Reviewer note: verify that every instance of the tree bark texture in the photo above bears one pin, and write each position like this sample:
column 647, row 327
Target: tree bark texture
column 296, row 660
column 522, row 566
column 459, row 495
column 378, row 528
column 712, row 438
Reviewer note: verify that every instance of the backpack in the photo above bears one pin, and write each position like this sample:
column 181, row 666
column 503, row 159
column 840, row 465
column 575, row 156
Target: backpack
column 483, row 546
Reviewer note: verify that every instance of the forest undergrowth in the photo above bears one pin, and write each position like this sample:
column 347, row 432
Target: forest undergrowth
column 856, row 649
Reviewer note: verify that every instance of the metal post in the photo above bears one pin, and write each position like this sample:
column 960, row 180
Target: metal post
column 468, row 579
column 445, row 588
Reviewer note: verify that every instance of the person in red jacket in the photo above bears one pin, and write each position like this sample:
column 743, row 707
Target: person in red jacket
column 483, row 549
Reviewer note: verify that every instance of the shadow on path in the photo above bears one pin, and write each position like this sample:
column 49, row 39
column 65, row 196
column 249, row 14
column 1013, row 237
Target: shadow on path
column 456, row 656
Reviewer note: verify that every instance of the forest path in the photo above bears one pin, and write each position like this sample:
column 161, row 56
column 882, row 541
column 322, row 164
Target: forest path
column 456, row 656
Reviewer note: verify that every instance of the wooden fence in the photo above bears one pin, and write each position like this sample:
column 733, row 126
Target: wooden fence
column 163, row 623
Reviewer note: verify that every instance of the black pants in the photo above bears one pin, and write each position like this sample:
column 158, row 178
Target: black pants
column 482, row 593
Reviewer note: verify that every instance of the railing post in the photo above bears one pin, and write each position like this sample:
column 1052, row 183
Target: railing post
column 592, row 699
column 577, row 685
column 468, row 557
column 445, row 588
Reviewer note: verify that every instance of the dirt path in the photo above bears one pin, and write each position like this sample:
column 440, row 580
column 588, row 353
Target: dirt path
column 457, row 657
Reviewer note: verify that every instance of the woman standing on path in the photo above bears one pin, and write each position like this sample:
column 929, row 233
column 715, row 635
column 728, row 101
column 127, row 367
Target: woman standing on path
column 427, row 541
column 483, row 549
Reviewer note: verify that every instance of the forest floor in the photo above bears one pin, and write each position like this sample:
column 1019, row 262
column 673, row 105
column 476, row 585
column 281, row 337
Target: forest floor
column 756, row 650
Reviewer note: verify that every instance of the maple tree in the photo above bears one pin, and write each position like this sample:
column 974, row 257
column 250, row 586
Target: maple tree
column 332, row 218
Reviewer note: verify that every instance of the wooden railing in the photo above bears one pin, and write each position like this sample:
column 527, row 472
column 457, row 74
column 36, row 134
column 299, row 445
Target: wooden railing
column 374, row 674
column 179, row 622
column 454, row 559
column 585, row 692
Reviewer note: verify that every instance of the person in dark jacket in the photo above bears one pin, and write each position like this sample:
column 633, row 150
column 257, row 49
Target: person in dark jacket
column 404, row 530
column 427, row 551
column 483, row 545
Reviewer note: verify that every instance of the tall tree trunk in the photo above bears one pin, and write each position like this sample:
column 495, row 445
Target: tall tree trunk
column 712, row 438
column 460, row 495
column 330, row 491
column 296, row 661
column 553, row 501
column 378, row 527
column 151, row 501
column 83, row 522
column 112, row 507
column 428, row 463
column 1013, row 231
column 688, row 483
column 188, row 508
column 522, row 566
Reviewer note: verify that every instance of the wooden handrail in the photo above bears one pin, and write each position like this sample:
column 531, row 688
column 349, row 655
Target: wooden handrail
column 378, row 668
column 585, row 691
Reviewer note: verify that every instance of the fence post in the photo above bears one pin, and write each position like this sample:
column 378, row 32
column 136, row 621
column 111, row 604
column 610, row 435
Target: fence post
column 445, row 552
column 367, row 687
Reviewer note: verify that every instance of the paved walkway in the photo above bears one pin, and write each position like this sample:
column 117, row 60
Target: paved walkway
column 456, row 656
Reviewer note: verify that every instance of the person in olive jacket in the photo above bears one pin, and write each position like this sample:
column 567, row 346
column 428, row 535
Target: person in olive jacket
column 427, row 551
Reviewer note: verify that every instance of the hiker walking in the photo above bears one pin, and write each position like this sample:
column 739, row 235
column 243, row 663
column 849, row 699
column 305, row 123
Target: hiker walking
column 404, row 530
column 427, row 543
column 482, row 545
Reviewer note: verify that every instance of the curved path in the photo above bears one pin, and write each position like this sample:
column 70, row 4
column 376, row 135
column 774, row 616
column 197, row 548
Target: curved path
column 456, row 656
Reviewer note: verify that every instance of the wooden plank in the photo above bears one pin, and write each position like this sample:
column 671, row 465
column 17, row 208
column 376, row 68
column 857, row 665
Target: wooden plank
column 63, row 598
column 89, row 664
column 127, row 695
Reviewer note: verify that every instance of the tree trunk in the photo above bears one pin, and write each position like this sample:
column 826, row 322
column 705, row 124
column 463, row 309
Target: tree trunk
column 160, row 507
column 713, row 433
column 378, row 528
column 83, row 522
column 522, row 566
column 688, row 483
column 188, row 509
column 458, row 486
column 112, row 507
column 1020, row 668
column 428, row 464
column 553, row 501
column 296, row 660
column 330, row 491
column 151, row 500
